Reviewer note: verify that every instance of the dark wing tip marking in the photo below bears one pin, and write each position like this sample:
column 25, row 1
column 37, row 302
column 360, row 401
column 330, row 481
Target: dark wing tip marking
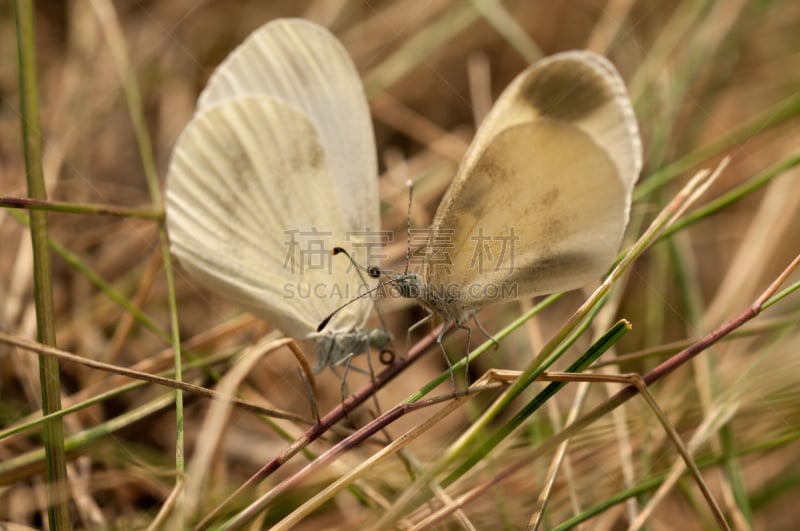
column 567, row 90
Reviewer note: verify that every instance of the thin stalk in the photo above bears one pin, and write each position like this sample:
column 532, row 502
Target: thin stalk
column 57, row 489
column 425, row 42
column 29, row 463
column 133, row 97
column 324, row 424
column 772, row 117
column 74, row 261
column 652, row 484
column 56, row 354
column 734, row 195
column 579, row 365
column 80, row 208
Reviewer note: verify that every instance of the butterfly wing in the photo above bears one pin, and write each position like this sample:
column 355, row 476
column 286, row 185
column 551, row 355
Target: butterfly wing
column 246, row 177
column 542, row 197
column 304, row 65
column 241, row 185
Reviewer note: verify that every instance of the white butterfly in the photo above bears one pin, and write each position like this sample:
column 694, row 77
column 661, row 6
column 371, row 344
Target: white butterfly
column 541, row 199
column 277, row 166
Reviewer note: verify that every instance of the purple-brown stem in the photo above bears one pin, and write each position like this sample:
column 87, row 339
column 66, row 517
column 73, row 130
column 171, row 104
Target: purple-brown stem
column 334, row 416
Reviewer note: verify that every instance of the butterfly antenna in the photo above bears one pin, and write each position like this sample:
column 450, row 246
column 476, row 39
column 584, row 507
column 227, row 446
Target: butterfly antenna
column 373, row 272
column 369, row 293
column 410, row 186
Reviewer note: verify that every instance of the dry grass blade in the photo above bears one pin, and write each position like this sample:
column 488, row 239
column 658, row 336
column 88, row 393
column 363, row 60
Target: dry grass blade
column 710, row 81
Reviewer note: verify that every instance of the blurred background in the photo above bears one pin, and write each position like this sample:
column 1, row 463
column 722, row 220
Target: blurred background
column 708, row 79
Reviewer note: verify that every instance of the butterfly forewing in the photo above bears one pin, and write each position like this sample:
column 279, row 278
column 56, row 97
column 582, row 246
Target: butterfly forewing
column 304, row 65
column 231, row 225
column 542, row 197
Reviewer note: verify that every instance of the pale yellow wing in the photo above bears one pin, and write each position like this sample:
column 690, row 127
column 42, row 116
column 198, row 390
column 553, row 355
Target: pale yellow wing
column 305, row 66
column 252, row 213
column 542, row 197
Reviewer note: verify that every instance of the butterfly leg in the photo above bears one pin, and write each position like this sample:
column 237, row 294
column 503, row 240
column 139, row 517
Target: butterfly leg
column 312, row 399
column 444, row 353
column 414, row 327
column 372, row 377
column 346, row 362
column 469, row 350
column 485, row 332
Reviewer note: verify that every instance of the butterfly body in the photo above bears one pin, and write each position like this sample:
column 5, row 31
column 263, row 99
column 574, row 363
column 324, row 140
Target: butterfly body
column 338, row 348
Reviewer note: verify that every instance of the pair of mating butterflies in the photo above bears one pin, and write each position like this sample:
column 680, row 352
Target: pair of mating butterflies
column 278, row 165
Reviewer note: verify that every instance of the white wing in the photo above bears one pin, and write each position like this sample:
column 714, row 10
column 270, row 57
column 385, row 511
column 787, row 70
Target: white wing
column 304, row 65
column 542, row 197
column 245, row 175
